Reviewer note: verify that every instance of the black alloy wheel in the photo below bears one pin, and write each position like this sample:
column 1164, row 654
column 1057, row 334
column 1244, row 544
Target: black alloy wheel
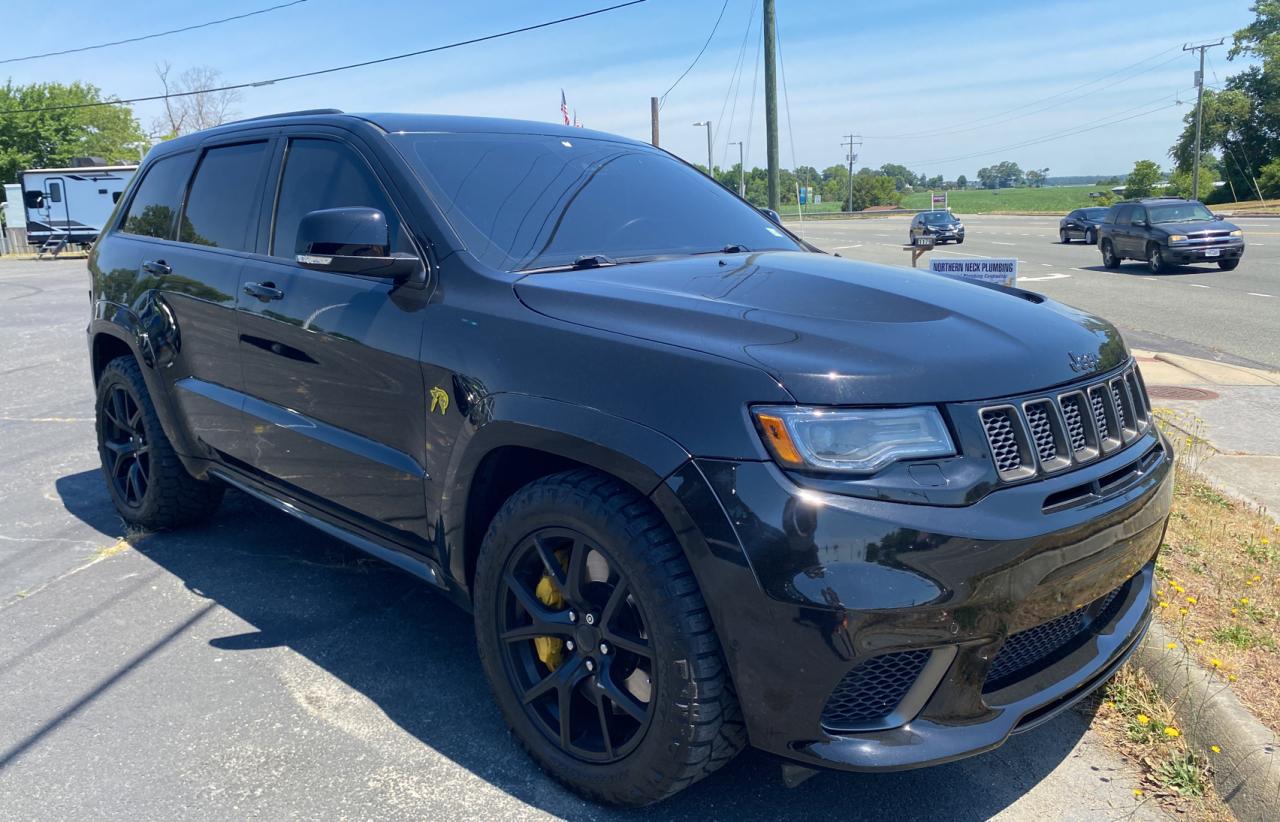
column 591, row 694
column 126, row 453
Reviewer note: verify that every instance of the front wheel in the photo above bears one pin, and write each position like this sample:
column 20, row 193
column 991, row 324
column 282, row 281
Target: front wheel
column 1155, row 259
column 1109, row 258
column 1228, row 265
column 959, row 240
column 1090, row 237
column 1063, row 236
column 597, row 643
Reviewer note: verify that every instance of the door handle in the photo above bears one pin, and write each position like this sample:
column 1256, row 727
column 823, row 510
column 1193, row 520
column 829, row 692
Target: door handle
column 263, row 291
column 157, row 267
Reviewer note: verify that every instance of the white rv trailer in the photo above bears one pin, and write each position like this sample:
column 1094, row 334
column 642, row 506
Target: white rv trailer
column 71, row 205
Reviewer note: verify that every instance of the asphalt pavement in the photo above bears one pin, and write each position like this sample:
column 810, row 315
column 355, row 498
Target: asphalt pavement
column 1196, row 310
column 253, row 668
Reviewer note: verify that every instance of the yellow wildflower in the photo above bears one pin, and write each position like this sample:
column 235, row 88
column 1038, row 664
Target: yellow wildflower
column 1137, row 791
column 1172, row 732
column 1199, row 641
column 1171, row 646
column 1231, row 677
column 1244, row 600
column 1182, row 611
column 1143, row 719
column 1215, row 749
column 1215, row 662
column 1192, row 600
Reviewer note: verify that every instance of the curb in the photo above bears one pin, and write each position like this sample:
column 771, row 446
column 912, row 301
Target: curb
column 1247, row 772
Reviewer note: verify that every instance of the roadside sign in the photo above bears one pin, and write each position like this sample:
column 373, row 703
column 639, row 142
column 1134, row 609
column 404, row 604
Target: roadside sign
column 998, row 270
column 804, row 195
column 940, row 200
column 923, row 241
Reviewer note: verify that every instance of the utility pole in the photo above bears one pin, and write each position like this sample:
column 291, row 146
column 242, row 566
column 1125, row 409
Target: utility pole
column 1195, row 174
column 653, row 118
column 771, row 100
column 710, row 171
column 849, row 141
column 742, row 172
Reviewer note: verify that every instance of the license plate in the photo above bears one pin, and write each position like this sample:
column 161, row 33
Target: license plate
column 1213, row 252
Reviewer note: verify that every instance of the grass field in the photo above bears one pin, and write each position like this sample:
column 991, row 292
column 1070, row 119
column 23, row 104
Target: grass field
column 1056, row 200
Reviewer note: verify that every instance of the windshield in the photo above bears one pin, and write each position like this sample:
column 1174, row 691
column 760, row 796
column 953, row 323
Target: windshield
column 1095, row 213
column 938, row 217
column 528, row 201
column 1178, row 213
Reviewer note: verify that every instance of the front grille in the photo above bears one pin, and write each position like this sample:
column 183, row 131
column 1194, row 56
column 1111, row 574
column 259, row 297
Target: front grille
column 1032, row 650
column 872, row 690
column 998, row 423
column 1046, row 434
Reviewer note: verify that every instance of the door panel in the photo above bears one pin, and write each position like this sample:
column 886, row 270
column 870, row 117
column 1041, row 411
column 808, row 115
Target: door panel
column 335, row 402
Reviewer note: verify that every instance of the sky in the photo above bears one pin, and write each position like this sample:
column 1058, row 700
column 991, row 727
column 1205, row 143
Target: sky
column 942, row 87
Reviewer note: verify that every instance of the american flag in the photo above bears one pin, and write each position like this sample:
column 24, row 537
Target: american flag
column 564, row 108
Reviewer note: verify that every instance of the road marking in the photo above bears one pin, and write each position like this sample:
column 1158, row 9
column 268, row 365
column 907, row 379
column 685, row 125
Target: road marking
column 1053, row 275
column 997, row 242
column 1256, row 294
column 1047, row 265
column 1197, row 285
column 842, row 247
column 1152, row 279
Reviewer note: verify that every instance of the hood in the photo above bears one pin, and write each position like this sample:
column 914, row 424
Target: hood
column 835, row 331
column 1195, row 226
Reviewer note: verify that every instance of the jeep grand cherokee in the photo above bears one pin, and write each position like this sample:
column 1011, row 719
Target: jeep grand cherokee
column 701, row 485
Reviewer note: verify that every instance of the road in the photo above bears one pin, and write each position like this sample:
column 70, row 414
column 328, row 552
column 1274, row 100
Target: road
column 1195, row 310
column 253, row 668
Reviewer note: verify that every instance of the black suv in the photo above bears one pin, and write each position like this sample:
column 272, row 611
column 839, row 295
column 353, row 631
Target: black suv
column 940, row 225
column 701, row 484
column 1166, row 231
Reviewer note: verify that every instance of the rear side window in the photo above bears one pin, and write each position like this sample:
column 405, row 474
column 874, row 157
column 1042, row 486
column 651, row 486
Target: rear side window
column 322, row 174
column 154, row 207
column 1139, row 216
column 55, row 192
column 1121, row 217
column 224, row 196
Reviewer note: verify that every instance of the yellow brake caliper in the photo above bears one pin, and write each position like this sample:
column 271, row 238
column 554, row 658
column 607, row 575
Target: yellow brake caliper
column 550, row 649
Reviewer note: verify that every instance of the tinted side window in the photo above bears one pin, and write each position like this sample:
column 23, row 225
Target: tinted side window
column 221, row 206
column 1122, row 215
column 325, row 174
column 55, row 192
column 154, row 208
column 1139, row 216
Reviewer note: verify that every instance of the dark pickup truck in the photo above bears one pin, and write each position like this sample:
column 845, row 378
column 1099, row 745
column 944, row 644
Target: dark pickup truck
column 700, row 484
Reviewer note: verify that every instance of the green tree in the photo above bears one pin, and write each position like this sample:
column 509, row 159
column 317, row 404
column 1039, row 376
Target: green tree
column 1269, row 179
column 1142, row 180
column 1180, row 182
column 35, row 139
column 962, row 182
column 902, row 176
column 873, row 190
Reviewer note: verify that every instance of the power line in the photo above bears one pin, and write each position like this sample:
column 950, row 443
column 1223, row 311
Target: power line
column 318, row 72
column 1090, row 126
column 142, row 37
column 736, row 75
column 662, row 101
column 988, row 118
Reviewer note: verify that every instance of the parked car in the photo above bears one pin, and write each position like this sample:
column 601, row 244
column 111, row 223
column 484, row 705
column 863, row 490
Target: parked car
column 700, row 484
column 1082, row 224
column 940, row 225
column 1167, row 231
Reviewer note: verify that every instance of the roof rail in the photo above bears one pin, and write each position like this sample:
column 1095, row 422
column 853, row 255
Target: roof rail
column 300, row 113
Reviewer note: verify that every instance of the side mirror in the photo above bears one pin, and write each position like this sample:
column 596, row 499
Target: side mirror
column 772, row 215
column 1219, row 217
column 33, row 199
column 353, row 240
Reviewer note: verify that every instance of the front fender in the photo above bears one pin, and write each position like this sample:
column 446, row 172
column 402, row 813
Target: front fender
column 638, row 455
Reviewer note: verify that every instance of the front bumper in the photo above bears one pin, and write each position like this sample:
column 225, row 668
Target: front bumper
column 805, row 586
column 1204, row 253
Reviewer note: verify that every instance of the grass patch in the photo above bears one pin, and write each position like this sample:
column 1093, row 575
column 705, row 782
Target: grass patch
column 1133, row 718
column 1218, row 579
column 1049, row 200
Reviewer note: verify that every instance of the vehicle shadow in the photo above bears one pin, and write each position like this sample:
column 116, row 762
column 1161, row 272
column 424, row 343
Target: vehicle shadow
column 390, row 638
column 1132, row 268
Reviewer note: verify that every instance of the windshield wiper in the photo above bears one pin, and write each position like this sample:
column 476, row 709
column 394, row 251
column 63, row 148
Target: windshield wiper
column 583, row 262
column 731, row 248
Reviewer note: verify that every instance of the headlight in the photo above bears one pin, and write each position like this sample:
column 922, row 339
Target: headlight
column 1237, row 233
column 1177, row 238
column 852, row 440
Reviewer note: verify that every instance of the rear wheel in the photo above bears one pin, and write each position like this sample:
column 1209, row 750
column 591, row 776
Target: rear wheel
column 597, row 643
column 147, row 482
column 1109, row 258
column 1155, row 259
column 1228, row 265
